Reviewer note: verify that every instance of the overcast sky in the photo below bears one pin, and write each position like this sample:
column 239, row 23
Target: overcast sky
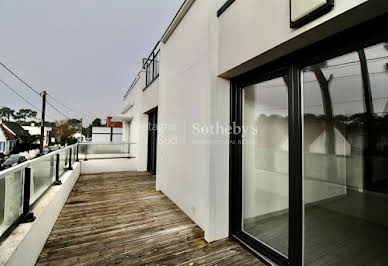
column 83, row 52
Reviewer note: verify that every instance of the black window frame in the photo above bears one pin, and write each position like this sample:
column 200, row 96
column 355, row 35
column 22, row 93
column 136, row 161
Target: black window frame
column 339, row 44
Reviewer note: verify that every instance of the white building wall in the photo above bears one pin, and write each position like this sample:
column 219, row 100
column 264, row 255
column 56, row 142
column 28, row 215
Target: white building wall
column 191, row 171
column 35, row 130
column 135, row 130
column 251, row 28
column 103, row 135
column 150, row 96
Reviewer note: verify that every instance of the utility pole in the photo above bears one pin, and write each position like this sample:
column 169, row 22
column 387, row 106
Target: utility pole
column 80, row 140
column 44, row 93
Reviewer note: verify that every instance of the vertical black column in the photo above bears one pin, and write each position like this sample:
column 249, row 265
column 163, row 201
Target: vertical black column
column 27, row 215
column 77, row 159
column 86, row 152
column 111, row 134
column 235, row 160
column 71, row 153
column 57, row 181
column 295, row 169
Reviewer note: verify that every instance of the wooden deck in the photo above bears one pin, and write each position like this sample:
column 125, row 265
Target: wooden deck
column 119, row 218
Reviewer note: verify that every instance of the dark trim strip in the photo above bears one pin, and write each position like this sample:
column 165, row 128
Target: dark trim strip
column 106, row 134
column 151, row 110
column 326, row 8
column 224, row 7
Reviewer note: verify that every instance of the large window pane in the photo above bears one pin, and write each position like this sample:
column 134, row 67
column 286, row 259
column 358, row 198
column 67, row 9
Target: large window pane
column 345, row 144
column 265, row 163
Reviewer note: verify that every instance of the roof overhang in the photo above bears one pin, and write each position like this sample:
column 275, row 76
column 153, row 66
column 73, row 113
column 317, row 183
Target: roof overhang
column 122, row 118
column 177, row 19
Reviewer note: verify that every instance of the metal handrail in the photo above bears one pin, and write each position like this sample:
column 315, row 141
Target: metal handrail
column 26, row 170
column 105, row 143
column 28, row 163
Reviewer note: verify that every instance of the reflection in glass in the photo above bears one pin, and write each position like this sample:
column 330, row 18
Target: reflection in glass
column 265, row 163
column 346, row 159
column 11, row 199
column 42, row 176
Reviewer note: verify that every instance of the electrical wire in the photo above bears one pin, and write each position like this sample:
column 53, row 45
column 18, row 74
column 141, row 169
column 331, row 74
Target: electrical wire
column 52, row 106
column 68, row 108
column 35, row 91
column 24, row 99
column 20, row 79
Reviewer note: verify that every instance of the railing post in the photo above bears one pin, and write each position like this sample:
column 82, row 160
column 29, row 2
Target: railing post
column 71, row 153
column 28, row 216
column 77, row 159
column 86, row 152
column 129, row 151
column 57, row 181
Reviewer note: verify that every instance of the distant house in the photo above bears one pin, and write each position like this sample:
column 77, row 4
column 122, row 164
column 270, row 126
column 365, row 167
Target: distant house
column 111, row 133
column 9, row 134
column 79, row 137
column 35, row 129
column 7, row 141
column 110, row 123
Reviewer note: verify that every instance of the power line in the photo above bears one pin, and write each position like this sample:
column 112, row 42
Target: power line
column 52, row 106
column 20, row 79
column 35, row 91
column 24, row 99
column 68, row 108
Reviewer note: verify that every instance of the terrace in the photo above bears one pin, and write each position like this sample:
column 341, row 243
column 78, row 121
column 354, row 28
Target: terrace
column 83, row 205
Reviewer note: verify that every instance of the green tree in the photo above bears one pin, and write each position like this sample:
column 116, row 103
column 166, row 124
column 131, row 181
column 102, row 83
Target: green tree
column 97, row 122
column 6, row 113
column 23, row 114
column 65, row 129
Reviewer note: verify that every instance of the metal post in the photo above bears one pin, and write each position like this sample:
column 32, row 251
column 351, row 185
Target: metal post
column 86, row 152
column 77, row 159
column 57, row 181
column 28, row 216
column 42, row 122
column 71, row 153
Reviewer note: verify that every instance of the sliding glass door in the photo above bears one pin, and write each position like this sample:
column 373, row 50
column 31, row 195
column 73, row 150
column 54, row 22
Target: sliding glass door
column 309, row 154
column 345, row 153
column 265, row 163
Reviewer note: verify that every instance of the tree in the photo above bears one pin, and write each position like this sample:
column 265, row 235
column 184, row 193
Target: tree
column 324, row 84
column 65, row 129
column 386, row 48
column 97, row 122
column 6, row 113
column 23, row 114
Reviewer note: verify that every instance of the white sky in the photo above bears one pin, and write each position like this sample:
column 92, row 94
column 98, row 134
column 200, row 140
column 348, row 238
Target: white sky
column 84, row 52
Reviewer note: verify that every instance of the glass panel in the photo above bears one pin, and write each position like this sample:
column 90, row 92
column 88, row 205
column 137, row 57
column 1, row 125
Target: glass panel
column 74, row 150
column 62, row 162
column 42, row 176
column 265, row 163
column 346, row 160
column 11, row 199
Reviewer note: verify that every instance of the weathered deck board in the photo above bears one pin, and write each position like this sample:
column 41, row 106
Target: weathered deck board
column 119, row 218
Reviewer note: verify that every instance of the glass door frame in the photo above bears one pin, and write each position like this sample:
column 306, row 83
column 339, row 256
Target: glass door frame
column 336, row 45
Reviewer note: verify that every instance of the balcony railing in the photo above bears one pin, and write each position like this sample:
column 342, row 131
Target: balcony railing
column 106, row 150
column 151, row 65
column 23, row 185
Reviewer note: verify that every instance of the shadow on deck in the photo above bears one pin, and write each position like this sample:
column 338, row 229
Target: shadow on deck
column 119, row 218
